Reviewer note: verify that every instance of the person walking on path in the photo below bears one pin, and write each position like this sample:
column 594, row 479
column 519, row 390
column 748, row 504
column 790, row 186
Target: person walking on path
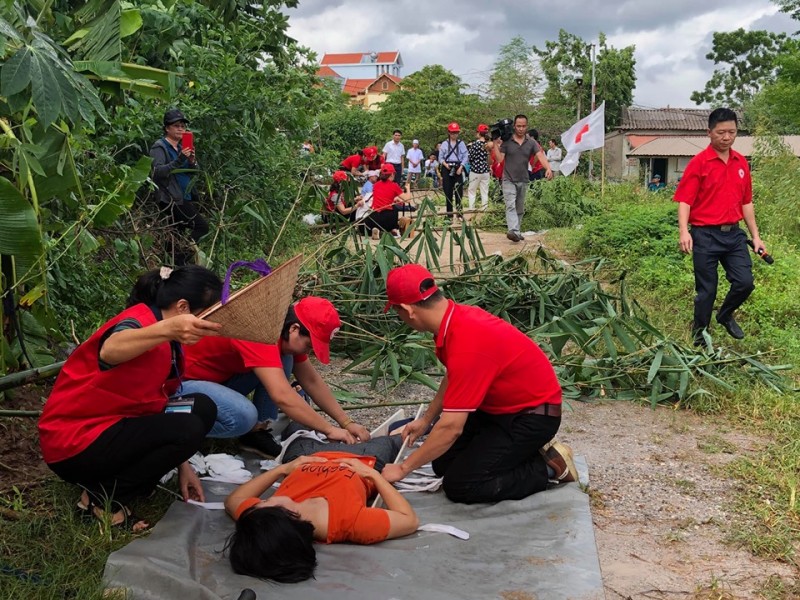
column 479, row 168
column 453, row 156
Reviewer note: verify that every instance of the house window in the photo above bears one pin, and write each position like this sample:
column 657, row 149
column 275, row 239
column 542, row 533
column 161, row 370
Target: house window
column 682, row 162
column 384, row 85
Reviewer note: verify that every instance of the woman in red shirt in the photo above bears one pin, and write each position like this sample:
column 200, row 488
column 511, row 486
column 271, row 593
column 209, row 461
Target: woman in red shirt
column 335, row 203
column 106, row 425
column 386, row 196
column 323, row 498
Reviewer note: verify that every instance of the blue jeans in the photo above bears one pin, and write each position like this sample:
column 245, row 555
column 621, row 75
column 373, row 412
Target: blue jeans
column 237, row 414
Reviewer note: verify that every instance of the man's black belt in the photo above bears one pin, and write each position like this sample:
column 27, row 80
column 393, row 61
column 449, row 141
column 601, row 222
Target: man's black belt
column 548, row 410
column 725, row 227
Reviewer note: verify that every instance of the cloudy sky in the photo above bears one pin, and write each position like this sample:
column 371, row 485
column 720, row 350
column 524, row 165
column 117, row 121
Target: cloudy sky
column 671, row 38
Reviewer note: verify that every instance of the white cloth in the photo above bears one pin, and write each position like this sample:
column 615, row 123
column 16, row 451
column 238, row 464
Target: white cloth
column 587, row 134
column 366, row 208
column 394, row 152
column 226, row 468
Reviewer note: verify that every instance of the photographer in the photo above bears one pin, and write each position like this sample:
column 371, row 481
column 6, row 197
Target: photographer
column 452, row 158
column 517, row 151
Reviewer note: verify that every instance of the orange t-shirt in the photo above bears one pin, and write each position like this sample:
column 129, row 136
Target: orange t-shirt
column 349, row 518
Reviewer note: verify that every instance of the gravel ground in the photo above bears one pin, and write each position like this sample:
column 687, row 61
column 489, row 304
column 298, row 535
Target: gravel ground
column 660, row 505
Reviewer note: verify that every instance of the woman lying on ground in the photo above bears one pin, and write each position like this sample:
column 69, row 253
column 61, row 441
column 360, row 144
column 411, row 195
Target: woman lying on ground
column 323, row 497
column 106, row 426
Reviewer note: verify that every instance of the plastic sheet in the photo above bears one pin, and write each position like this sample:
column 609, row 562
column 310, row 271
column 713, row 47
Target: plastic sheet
column 538, row 548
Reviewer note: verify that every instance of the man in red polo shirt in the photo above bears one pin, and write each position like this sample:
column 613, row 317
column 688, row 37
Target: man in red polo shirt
column 714, row 194
column 499, row 401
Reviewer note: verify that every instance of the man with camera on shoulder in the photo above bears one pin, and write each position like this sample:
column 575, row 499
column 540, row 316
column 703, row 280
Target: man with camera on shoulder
column 516, row 152
column 452, row 158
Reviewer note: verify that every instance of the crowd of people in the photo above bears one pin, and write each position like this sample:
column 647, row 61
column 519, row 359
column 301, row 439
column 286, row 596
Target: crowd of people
column 454, row 166
column 138, row 398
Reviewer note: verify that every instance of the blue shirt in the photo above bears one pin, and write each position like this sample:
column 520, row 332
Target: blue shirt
column 459, row 154
column 184, row 179
column 366, row 188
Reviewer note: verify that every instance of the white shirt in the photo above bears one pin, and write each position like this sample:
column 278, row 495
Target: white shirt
column 416, row 155
column 394, row 152
column 554, row 157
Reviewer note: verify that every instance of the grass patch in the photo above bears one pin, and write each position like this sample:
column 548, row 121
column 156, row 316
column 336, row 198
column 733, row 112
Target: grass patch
column 47, row 551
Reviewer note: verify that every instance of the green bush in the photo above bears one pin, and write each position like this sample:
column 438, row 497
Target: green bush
column 631, row 231
column 560, row 202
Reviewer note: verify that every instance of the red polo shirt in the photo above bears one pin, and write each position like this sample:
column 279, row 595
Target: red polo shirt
column 715, row 190
column 218, row 359
column 384, row 194
column 352, row 162
column 492, row 365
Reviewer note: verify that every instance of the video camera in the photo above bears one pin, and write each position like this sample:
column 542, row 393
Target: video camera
column 503, row 129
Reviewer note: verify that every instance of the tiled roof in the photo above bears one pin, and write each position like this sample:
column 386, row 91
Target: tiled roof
column 356, row 86
column 327, row 72
column 689, row 145
column 683, row 119
column 358, row 58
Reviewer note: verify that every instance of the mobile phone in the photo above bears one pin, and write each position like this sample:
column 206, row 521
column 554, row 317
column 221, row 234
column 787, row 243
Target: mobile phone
column 187, row 140
column 180, row 405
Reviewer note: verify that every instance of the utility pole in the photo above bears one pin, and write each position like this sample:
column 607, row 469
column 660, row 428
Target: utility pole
column 579, row 85
column 594, row 89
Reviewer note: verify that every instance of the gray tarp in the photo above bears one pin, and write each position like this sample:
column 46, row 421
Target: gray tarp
column 539, row 548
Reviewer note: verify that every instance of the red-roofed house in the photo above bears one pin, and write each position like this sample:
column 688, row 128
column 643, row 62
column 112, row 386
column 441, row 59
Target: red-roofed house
column 368, row 78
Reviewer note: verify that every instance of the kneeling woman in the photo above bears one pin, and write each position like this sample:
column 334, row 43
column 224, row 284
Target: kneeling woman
column 104, row 426
column 387, row 196
column 335, row 202
column 323, row 498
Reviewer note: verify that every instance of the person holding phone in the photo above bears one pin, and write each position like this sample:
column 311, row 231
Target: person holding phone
column 173, row 171
column 107, row 426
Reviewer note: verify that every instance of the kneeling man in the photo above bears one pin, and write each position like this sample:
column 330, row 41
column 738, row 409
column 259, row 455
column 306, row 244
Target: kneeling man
column 499, row 401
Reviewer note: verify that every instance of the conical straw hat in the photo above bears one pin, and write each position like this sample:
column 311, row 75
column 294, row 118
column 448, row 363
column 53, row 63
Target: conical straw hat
column 257, row 311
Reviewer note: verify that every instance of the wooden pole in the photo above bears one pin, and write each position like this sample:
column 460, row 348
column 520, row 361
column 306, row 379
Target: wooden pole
column 603, row 171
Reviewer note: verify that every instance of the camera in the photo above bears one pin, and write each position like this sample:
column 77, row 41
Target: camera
column 503, row 129
column 453, row 169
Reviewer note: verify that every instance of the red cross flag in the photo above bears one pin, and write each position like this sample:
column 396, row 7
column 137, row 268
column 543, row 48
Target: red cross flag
column 587, row 134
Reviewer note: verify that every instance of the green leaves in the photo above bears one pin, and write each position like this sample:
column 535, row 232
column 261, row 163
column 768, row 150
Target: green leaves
column 19, row 229
column 16, row 73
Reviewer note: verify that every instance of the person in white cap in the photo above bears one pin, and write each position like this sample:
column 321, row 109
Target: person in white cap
column 372, row 177
column 415, row 157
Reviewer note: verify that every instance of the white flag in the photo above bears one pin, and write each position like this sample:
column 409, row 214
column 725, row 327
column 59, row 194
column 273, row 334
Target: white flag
column 587, row 134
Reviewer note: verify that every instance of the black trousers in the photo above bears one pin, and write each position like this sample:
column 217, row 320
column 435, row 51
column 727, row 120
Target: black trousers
column 129, row 458
column 497, row 458
column 383, row 448
column 453, row 187
column 710, row 248
column 385, row 220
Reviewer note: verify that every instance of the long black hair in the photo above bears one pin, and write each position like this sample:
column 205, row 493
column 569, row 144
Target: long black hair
column 164, row 287
column 272, row 542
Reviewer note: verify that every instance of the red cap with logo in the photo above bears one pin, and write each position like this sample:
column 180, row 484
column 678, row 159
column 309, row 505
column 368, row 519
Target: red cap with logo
column 370, row 152
column 403, row 285
column 454, row 127
column 319, row 316
column 483, row 128
column 387, row 168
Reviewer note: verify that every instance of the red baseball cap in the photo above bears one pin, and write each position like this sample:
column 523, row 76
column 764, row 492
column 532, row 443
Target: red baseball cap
column 370, row 152
column 483, row 128
column 322, row 321
column 454, row 127
column 387, row 168
column 403, row 285
column 340, row 176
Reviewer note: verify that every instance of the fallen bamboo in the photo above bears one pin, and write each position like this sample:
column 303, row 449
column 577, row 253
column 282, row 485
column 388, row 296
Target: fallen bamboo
column 23, row 377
